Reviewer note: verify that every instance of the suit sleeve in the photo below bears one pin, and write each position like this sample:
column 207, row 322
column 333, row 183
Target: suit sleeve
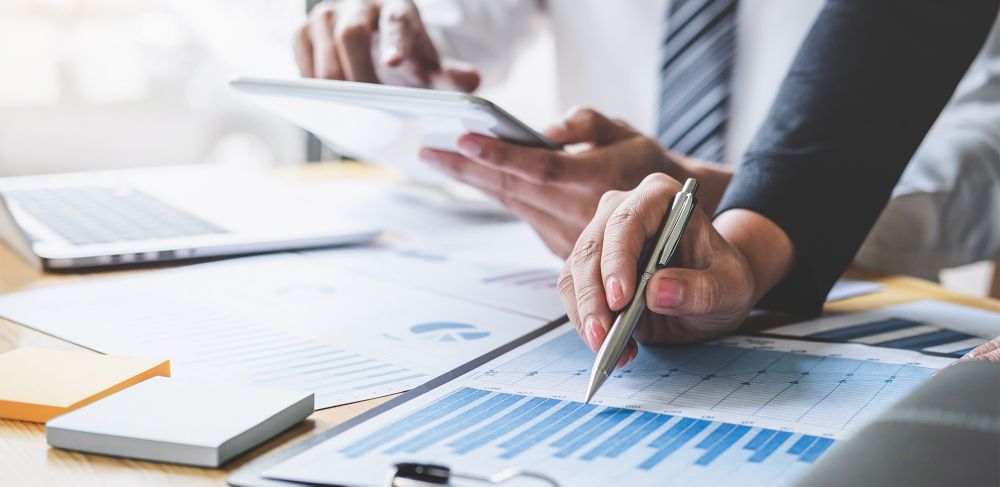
column 867, row 83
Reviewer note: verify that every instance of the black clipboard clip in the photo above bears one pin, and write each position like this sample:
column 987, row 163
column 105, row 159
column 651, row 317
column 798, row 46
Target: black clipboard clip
column 426, row 474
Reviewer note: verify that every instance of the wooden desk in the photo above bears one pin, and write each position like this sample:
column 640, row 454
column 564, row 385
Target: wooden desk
column 25, row 459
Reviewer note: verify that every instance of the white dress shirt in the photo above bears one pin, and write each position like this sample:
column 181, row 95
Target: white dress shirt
column 607, row 57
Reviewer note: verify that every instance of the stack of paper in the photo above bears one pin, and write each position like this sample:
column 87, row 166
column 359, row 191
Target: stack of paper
column 38, row 385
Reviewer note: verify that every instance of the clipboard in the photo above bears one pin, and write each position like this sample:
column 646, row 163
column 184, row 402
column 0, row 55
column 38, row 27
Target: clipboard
column 251, row 475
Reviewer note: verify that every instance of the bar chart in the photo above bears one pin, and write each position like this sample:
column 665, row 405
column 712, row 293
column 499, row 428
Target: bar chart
column 581, row 444
column 743, row 409
column 903, row 333
column 926, row 326
column 470, row 419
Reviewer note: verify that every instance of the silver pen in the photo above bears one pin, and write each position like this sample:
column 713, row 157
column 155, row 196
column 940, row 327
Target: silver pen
column 661, row 253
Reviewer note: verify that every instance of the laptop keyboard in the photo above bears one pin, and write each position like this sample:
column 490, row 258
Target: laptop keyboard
column 86, row 215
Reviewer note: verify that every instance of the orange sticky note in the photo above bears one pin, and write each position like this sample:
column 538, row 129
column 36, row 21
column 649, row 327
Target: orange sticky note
column 38, row 384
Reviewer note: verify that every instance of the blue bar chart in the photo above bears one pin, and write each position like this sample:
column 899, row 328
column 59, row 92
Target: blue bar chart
column 515, row 428
column 746, row 410
column 925, row 326
column 901, row 333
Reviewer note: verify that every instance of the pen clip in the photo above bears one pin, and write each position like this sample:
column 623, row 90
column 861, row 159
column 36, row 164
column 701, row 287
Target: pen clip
column 680, row 213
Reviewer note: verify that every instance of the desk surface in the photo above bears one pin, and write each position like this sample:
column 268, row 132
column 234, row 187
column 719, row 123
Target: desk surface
column 25, row 459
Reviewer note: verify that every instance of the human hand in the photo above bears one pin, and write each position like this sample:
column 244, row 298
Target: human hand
column 376, row 41
column 708, row 294
column 557, row 191
column 989, row 351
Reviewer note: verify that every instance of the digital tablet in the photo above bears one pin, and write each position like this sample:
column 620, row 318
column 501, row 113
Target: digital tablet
column 387, row 124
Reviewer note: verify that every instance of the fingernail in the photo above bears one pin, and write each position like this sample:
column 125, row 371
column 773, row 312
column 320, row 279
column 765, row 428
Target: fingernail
column 668, row 293
column 595, row 333
column 557, row 131
column 470, row 147
column 936, row 372
column 614, row 290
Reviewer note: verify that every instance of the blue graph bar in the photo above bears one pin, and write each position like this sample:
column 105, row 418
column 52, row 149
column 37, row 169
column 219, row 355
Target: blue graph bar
column 765, row 451
column 515, row 419
column 621, row 436
column 716, row 435
column 427, row 414
column 759, row 440
column 675, row 444
column 634, row 439
column 584, row 428
column 854, row 332
column 474, row 416
column 720, row 447
column 678, row 428
column 612, row 416
column 801, row 445
column 469, row 419
column 816, row 450
column 932, row 339
column 561, row 419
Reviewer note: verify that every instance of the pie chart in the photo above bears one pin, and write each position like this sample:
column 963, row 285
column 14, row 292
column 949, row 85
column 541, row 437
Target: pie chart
column 448, row 332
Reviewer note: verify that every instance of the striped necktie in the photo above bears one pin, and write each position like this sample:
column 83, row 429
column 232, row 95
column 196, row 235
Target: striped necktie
column 698, row 55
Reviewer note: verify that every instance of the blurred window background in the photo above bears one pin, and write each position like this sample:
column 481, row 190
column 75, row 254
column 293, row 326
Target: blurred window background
column 102, row 84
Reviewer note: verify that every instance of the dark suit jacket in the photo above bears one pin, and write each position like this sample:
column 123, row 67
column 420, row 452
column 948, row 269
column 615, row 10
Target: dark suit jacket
column 866, row 85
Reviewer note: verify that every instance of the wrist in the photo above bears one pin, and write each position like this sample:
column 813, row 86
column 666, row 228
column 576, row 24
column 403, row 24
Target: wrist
column 766, row 248
column 712, row 178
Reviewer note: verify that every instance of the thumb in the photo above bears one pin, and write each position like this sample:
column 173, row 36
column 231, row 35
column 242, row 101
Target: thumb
column 712, row 280
column 458, row 76
column 583, row 125
column 687, row 292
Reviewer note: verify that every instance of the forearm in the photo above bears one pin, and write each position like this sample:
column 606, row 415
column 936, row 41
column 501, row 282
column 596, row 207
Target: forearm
column 712, row 178
column 869, row 80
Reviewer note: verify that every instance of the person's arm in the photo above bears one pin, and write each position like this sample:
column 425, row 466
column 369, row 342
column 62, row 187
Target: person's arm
column 935, row 217
column 868, row 81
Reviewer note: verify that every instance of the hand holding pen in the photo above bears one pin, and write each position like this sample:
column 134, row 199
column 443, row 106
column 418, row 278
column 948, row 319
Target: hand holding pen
column 705, row 293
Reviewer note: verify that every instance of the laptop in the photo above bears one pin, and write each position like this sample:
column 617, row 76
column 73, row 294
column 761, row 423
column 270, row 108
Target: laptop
column 126, row 217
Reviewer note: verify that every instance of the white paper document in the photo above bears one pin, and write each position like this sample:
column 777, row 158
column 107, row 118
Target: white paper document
column 498, row 264
column 926, row 325
column 287, row 321
column 738, row 411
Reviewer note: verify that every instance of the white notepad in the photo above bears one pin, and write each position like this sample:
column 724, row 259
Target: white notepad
column 176, row 421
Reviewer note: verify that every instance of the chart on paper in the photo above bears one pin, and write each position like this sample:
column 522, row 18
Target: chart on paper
column 926, row 325
column 757, row 411
column 285, row 321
